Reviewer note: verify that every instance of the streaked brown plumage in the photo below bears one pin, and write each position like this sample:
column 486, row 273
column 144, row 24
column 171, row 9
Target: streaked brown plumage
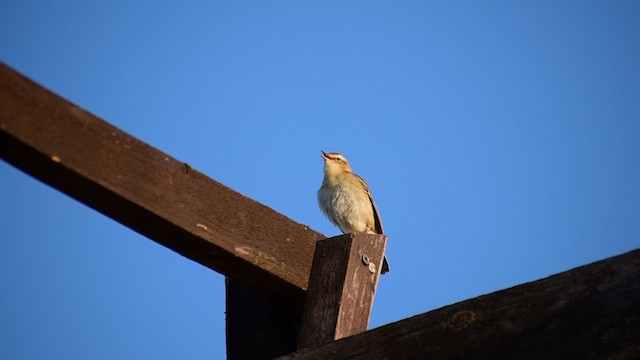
column 346, row 200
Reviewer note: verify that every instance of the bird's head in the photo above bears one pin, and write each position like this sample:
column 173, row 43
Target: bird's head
column 335, row 163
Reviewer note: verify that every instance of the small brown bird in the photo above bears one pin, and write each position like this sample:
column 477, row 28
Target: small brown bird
column 345, row 199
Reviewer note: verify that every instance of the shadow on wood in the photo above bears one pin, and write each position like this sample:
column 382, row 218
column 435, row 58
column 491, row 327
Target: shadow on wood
column 258, row 325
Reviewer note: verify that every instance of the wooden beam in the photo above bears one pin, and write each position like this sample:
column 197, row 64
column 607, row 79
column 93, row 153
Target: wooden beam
column 591, row 312
column 343, row 281
column 154, row 194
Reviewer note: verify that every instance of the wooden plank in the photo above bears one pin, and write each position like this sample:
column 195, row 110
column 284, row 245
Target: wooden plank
column 258, row 326
column 342, row 285
column 152, row 193
column 591, row 312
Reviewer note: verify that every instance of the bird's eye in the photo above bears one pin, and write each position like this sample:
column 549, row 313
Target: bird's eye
column 338, row 159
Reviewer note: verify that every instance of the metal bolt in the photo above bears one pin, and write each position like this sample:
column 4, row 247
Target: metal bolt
column 365, row 259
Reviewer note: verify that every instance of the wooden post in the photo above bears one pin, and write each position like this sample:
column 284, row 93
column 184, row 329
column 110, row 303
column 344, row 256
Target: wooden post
column 342, row 285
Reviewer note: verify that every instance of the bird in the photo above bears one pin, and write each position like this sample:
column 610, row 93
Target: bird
column 345, row 199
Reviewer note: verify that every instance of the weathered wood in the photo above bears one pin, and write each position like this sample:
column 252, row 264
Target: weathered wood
column 342, row 285
column 591, row 312
column 151, row 192
column 258, row 325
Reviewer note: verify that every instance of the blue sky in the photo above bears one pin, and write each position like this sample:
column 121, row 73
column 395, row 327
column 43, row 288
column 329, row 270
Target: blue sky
column 501, row 141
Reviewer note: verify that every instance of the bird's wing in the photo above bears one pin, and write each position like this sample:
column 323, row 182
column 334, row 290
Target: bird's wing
column 376, row 214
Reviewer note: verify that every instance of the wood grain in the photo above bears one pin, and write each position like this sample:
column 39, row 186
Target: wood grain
column 342, row 286
column 591, row 312
column 154, row 194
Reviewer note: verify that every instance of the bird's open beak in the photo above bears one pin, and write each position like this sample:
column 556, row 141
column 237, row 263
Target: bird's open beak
column 324, row 155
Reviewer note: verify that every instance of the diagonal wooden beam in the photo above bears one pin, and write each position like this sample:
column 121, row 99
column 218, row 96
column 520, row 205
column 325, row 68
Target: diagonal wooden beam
column 147, row 190
column 591, row 312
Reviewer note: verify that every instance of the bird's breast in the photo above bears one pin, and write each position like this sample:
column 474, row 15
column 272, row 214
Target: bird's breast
column 349, row 208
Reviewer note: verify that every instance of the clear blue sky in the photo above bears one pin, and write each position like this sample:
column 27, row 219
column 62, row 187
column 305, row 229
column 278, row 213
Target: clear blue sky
column 501, row 141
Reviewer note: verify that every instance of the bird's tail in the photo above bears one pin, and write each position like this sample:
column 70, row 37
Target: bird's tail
column 385, row 266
